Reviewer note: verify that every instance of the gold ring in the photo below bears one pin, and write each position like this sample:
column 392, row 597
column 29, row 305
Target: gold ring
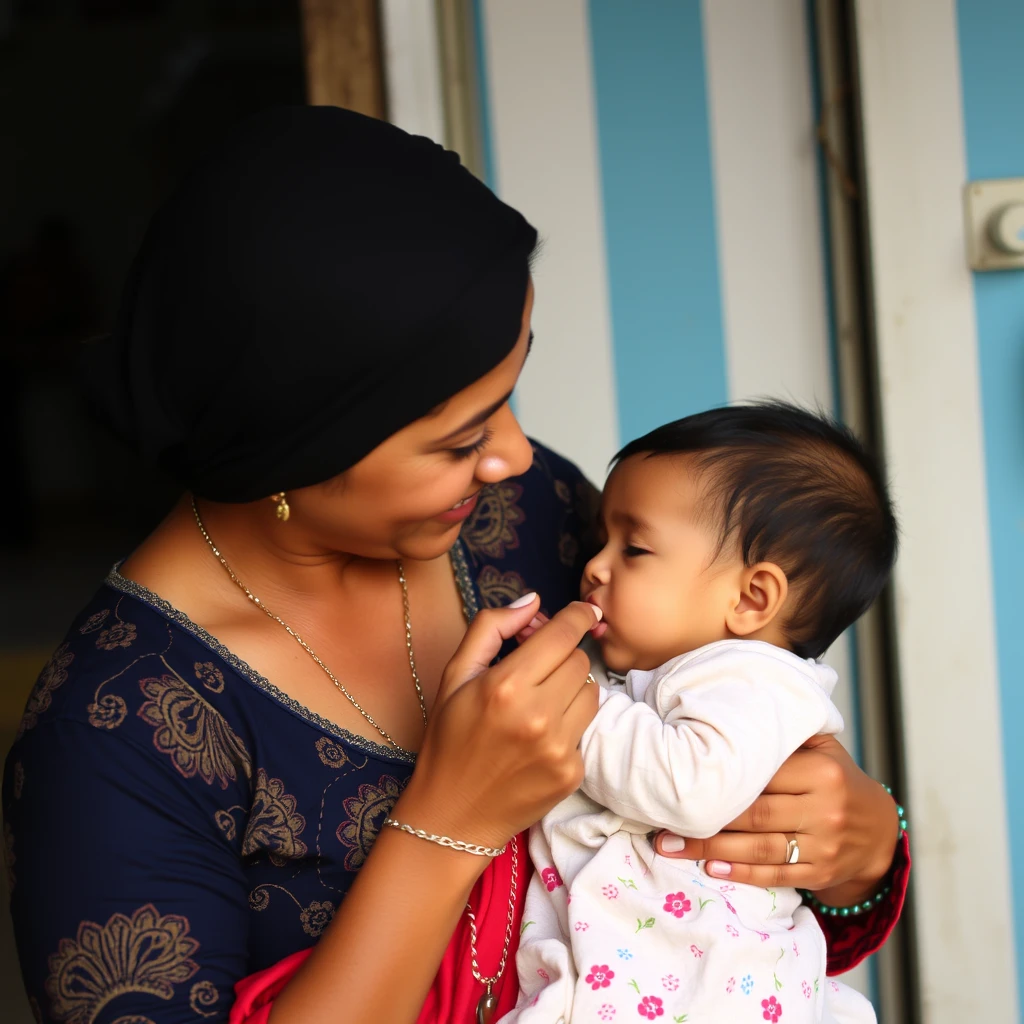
column 591, row 679
column 792, row 852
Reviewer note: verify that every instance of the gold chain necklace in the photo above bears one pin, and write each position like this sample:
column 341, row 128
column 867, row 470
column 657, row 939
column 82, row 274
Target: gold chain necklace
column 488, row 1002
column 309, row 650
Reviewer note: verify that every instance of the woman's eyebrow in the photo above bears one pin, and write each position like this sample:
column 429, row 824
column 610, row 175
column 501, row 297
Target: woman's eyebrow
column 480, row 417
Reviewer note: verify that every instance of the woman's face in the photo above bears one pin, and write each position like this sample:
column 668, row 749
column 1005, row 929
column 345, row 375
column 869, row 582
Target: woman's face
column 411, row 494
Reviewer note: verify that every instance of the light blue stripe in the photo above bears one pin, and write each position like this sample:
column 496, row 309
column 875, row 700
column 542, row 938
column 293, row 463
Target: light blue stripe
column 991, row 50
column 483, row 98
column 655, row 153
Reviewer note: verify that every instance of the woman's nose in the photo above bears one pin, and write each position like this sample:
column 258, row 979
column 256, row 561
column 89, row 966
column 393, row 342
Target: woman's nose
column 509, row 453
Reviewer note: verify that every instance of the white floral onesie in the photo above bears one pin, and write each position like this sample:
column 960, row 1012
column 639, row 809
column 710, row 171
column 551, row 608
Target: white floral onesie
column 613, row 932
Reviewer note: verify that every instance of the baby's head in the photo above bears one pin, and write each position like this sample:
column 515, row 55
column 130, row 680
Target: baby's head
column 760, row 521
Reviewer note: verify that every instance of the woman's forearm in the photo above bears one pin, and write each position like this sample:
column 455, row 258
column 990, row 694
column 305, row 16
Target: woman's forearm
column 381, row 952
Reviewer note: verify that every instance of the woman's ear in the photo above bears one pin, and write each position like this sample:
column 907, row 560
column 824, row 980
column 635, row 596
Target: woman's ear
column 763, row 592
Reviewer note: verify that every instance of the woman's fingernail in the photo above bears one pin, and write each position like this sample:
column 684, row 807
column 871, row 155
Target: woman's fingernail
column 535, row 623
column 598, row 612
column 522, row 602
column 672, row 844
column 718, row 867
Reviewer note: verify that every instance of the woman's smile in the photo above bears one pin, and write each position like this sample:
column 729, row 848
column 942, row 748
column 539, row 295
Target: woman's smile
column 460, row 510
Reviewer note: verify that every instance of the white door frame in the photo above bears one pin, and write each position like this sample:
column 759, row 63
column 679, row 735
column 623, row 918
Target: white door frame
column 927, row 349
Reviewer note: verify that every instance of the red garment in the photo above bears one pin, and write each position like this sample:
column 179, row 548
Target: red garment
column 850, row 939
column 453, row 997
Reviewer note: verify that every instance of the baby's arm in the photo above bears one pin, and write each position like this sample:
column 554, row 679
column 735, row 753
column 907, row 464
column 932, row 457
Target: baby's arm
column 703, row 756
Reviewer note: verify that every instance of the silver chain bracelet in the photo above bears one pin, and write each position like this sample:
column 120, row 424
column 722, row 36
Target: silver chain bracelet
column 452, row 844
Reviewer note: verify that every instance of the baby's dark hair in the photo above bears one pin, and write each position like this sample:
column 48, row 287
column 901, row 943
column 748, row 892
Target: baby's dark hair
column 798, row 489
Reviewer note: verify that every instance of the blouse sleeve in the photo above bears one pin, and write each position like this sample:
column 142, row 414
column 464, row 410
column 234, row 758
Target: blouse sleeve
column 852, row 939
column 127, row 894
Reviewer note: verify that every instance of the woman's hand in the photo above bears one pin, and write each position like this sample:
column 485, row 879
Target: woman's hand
column 844, row 822
column 502, row 745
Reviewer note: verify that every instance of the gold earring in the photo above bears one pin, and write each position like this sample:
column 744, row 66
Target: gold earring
column 283, row 510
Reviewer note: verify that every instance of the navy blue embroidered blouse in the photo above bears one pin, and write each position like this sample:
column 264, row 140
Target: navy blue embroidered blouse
column 173, row 821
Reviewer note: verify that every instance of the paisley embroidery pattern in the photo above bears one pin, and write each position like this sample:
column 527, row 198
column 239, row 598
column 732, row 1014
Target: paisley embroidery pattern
column 146, row 952
column 568, row 549
column 195, row 735
column 274, row 824
column 120, row 634
column 499, row 588
column 210, row 676
column 331, row 752
column 316, row 917
column 133, row 1018
column 53, row 675
column 204, row 995
column 491, row 530
column 94, row 622
column 226, row 823
column 108, row 712
column 366, row 811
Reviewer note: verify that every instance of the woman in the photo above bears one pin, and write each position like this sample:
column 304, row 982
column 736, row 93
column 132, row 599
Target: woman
column 319, row 339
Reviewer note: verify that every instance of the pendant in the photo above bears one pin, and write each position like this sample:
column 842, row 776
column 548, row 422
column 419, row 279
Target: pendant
column 486, row 1007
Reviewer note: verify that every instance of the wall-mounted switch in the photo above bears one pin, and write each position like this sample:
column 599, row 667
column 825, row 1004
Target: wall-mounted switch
column 994, row 223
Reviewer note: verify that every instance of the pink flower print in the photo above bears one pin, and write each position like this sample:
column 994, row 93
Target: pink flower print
column 727, row 888
column 581, row 926
column 763, row 936
column 729, row 907
column 600, row 976
column 551, row 878
column 771, row 1009
column 670, row 982
column 730, row 985
column 835, row 987
column 733, row 930
column 696, row 951
column 611, row 891
column 543, row 974
column 606, row 1012
column 651, row 1007
column 796, row 950
column 806, row 989
column 627, row 860
column 677, row 904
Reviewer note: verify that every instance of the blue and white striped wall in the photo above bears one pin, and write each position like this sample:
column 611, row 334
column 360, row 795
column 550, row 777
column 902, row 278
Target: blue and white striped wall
column 664, row 148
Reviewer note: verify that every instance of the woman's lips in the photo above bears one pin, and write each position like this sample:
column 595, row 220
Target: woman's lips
column 461, row 510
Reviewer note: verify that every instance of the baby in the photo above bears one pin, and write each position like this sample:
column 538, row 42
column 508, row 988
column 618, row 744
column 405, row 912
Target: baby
column 740, row 543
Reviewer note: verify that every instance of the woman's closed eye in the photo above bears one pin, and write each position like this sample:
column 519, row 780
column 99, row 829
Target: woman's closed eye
column 472, row 449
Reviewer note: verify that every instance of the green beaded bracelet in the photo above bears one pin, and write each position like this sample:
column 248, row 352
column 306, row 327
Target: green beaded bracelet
column 868, row 904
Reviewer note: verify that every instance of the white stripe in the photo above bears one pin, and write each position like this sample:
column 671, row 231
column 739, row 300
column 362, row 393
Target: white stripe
column 767, row 201
column 768, row 214
column 542, row 117
column 928, row 356
column 412, row 67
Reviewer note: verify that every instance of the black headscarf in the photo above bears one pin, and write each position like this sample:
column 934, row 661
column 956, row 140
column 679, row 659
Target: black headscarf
column 318, row 282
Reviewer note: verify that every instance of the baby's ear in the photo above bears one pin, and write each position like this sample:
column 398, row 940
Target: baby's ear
column 763, row 592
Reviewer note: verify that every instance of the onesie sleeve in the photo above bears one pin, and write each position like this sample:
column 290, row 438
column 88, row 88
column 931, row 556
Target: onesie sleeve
column 706, row 740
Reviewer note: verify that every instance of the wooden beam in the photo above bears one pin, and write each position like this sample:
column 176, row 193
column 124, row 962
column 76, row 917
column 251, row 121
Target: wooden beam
column 343, row 54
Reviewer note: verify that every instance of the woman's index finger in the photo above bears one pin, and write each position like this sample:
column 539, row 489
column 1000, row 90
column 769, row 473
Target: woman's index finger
column 552, row 643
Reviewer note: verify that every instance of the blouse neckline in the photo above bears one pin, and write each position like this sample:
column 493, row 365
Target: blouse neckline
column 470, row 606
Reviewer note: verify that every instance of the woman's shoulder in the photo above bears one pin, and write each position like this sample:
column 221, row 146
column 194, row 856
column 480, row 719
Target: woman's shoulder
column 125, row 671
column 532, row 532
